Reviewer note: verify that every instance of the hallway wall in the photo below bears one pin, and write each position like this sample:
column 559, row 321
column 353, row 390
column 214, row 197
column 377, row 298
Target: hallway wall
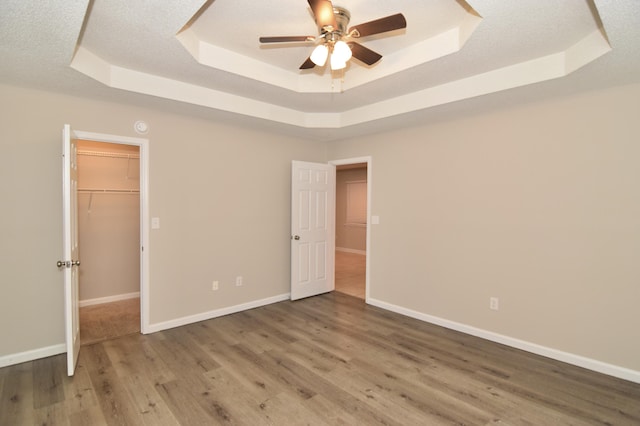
column 348, row 236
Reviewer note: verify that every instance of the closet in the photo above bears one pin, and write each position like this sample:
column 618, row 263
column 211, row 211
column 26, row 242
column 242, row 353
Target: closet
column 109, row 235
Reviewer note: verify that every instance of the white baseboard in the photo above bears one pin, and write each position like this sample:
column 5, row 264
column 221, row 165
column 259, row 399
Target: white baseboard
column 216, row 313
column 108, row 299
column 61, row 348
column 31, row 355
column 569, row 358
column 348, row 250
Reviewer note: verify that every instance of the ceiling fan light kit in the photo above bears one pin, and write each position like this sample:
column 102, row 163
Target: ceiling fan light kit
column 320, row 54
column 334, row 41
column 341, row 51
column 340, row 54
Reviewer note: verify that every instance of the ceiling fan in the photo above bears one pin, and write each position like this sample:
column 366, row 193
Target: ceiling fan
column 335, row 41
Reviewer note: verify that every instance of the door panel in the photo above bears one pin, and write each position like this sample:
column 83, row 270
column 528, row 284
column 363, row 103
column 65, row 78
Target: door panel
column 312, row 229
column 70, row 262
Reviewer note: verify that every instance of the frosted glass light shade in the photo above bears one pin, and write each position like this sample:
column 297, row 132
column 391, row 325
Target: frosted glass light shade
column 336, row 63
column 319, row 55
column 341, row 51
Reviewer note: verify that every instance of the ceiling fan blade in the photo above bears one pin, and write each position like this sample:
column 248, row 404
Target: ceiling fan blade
column 364, row 54
column 382, row 25
column 308, row 64
column 286, row 39
column 323, row 11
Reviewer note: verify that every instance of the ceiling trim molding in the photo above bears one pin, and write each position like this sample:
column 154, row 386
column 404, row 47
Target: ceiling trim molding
column 537, row 70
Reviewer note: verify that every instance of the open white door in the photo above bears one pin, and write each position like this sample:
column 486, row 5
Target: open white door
column 313, row 188
column 70, row 262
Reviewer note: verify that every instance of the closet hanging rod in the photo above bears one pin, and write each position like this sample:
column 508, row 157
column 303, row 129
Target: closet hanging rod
column 108, row 154
column 108, row 191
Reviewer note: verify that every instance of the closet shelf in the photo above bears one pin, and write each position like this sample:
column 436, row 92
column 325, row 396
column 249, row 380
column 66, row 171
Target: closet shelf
column 107, row 191
column 108, row 154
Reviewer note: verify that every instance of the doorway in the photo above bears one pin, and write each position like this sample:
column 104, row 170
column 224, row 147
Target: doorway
column 352, row 226
column 109, row 239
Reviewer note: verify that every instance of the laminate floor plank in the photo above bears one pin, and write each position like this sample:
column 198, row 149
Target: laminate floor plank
column 314, row 357
column 90, row 416
column 535, row 392
column 260, row 335
column 245, row 366
column 51, row 415
column 133, row 355
column 284, row 409
column 48, row 375
column 325, row 360
column 181, row 354
column 80, row 395
column 16, row 403
column 220, row 406
column 179, row 397
column 300, row 378
column 267, row 328
column 301, row 324
column 111, row 394
column 140, row 370
column 330, row 412
column 409, row 395
column 148, row 402
column 240, row 405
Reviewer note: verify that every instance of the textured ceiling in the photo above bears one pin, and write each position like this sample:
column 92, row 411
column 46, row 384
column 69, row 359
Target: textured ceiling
column 203, row 57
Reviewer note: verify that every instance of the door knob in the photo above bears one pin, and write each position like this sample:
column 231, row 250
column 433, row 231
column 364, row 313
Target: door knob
column 67, row 264
column 296, row 237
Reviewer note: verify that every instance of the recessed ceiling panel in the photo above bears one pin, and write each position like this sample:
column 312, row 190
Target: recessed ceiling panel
column 224, row 35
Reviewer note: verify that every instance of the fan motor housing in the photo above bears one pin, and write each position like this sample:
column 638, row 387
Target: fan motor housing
column 343, row 17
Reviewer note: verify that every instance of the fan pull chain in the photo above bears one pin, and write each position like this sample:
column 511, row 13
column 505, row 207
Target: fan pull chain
column 341, row 79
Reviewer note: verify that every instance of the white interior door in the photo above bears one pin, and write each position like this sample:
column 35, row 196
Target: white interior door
column 313, row 187
column 70, row 260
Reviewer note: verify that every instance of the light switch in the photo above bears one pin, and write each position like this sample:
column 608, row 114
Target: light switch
column 375, row 220
column 155, row 223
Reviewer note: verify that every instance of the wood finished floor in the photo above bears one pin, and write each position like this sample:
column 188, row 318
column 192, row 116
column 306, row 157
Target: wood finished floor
column 325, row 360
column 109, row 320
column 350, row 273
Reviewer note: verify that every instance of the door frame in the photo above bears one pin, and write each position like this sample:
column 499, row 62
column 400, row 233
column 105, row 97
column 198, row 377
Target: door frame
column 368, row 161
column 143, row 145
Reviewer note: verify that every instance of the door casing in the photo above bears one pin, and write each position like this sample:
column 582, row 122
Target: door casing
column 143, row 145
column 368, row 161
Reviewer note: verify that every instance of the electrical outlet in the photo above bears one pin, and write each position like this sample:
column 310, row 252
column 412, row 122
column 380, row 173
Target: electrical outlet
column 494, row 303
column 238, row 281
column 215, row 285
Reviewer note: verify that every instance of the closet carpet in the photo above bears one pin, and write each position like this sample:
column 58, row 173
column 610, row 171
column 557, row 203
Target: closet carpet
column 109, row 320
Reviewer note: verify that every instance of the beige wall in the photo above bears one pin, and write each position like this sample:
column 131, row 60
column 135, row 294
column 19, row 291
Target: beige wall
column 538, row 205
column 222, row 193
column 348, row 236
column 108, row 222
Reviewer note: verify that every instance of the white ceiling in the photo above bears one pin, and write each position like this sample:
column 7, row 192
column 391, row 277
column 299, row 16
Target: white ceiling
column 203, row 57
